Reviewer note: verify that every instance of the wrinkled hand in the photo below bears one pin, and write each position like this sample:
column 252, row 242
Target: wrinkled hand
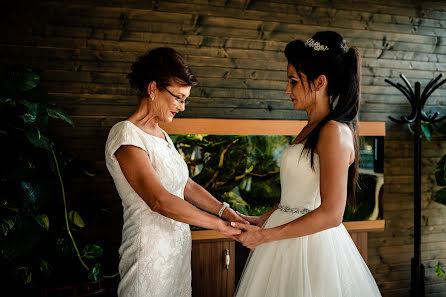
column 251, row 237
column 226, row 229
column 254, row 220
column 232, row 216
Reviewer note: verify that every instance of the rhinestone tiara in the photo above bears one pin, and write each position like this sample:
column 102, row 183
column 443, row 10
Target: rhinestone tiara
column 316, row 45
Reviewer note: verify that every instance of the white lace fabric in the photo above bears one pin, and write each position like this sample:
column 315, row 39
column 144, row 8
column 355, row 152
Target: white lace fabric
column 155, row 250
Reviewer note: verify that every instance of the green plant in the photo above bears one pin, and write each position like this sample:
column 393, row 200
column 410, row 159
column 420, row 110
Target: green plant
column 440, row 177
column 439, row 270
column 37, row 246
column 240, row 170
column 427, row 128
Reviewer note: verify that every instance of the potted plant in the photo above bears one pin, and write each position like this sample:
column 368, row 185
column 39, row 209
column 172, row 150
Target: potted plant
column 37, row 226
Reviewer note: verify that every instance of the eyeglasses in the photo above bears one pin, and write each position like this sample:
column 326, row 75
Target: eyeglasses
column 182, row 101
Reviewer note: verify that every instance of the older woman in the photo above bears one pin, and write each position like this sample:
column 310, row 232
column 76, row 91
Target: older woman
column 153, row 183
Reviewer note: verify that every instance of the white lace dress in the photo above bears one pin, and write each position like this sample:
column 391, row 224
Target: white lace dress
column 324, row 264
column 155, row 250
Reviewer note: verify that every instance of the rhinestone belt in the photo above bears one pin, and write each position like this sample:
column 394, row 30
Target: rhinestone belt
column 294, row 210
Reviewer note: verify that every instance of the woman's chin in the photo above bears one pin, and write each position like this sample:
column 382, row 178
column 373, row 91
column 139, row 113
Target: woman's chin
column 296, row 106
column 167, row 119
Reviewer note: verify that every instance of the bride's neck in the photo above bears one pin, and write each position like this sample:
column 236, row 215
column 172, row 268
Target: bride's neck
column 315, row 115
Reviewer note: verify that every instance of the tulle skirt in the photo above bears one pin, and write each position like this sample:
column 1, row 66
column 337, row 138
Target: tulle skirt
column 324, row 264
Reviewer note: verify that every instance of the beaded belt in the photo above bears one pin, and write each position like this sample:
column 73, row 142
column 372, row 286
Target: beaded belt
column 294, row 210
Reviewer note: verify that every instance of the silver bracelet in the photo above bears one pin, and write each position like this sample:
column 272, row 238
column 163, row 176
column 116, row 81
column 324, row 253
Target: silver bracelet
column 222, row 209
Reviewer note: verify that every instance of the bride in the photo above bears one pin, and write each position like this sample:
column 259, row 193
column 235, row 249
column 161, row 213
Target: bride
column 303, row 250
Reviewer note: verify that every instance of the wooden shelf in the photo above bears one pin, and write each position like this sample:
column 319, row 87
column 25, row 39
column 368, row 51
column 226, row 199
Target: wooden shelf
column 254, row 127
column 206, row 235
column 352, row 227
column 365, row 226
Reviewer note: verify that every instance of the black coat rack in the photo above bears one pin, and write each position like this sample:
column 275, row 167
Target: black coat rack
column 417, row 101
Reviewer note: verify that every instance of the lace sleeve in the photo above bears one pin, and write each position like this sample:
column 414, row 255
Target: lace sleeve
column 121, row 134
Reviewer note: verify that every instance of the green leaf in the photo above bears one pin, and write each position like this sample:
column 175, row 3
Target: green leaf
column 25, row 274
column 8, row 101
column 36, row 193
column 76, row 218
column 258, row 210
column 440, row 172
column 427, row 130
column 37, row 139
column 236, row 202
column 43, row 221
column 28, row 81
column 92, row 251
column 8, row 217
column 440, row 196
column 29, row 193
column 57, row 113
column 96, row 272
column 65, row 247
column 28, row 278
column 88, row 173
column 30, row 116
column 45, row 267
column 6, row 225
column 439, row 271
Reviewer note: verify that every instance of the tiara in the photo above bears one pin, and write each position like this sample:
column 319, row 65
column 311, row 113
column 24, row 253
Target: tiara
column 316, row 45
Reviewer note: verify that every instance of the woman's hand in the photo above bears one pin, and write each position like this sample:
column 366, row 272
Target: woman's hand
column 226, row 229
column 232, row 216
column 254, row 220
column 251, row 237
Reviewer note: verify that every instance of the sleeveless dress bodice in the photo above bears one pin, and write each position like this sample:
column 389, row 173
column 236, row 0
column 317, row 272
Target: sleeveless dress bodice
column 299, row 182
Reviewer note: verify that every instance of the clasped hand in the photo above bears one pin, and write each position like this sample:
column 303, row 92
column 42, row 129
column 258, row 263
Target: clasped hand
column 245, row 229
column 251, row 235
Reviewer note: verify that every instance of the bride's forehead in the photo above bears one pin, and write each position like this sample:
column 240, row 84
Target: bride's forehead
column 291, row 71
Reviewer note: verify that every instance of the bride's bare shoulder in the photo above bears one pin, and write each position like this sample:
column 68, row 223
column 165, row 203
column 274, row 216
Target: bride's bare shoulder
column 335, row 136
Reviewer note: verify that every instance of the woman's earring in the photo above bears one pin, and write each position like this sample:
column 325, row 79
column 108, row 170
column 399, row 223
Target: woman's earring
column 153, row 98
column 334, row 101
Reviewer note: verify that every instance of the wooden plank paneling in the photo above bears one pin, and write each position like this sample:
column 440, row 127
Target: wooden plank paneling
column 235, row 48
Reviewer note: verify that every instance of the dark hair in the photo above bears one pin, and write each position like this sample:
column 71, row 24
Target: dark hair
column 343, row 71
column 162, row 65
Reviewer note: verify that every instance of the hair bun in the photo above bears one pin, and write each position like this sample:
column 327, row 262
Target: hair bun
column 333, row 40
column 163, row 65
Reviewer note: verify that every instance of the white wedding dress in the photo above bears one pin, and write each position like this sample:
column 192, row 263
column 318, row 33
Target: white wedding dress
column 324, row 264
column 155, row 250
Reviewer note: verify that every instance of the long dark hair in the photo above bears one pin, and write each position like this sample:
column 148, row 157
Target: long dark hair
column 163, row 65
column 325, row 54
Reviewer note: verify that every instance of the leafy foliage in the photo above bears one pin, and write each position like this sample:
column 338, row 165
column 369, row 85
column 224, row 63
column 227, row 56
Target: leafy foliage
column 244, row 171
column 34, row 244
column 427, row 128
column 439, row 270
column 240, row 170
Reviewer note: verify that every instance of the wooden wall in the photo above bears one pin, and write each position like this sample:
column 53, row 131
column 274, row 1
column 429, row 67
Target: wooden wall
column 235, row 47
